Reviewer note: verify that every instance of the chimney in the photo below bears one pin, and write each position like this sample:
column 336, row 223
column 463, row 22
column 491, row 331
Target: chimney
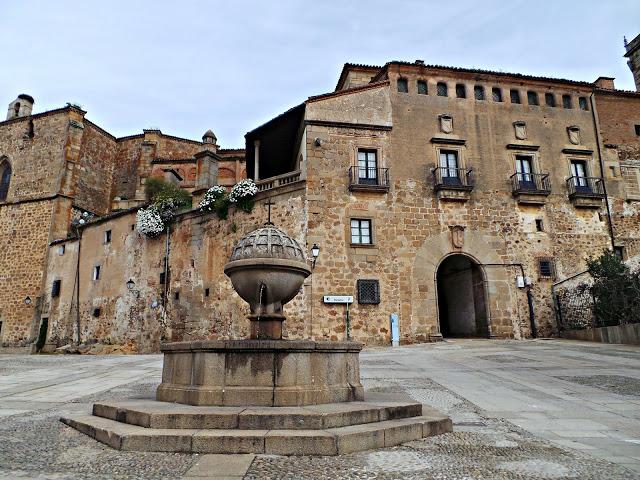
column 20, row 107
column 605, row 82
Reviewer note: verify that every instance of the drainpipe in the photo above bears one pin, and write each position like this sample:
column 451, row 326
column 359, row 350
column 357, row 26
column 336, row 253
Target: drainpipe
column 165, row 297
column 79, row 233
column 594, row 116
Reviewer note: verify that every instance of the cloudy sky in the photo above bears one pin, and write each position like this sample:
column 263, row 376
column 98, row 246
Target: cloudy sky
column 186, row 66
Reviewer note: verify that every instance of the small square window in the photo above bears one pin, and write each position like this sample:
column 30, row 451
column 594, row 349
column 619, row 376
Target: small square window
column 546, row 268
column 96, row 272
column 96, row 312
column 423, row 89
column 496, row 94
column 403, row 85
column 550, row 99
column 61, row 249
column 539, row 225
column 515, row 96
column 441, row 89
column 107, row 236
column 582, row 103
column 361, row 231
column 637, row 129
column 566, row 101
column 55, row 288
column 461, row 91
column 619, row 252
column 368, row 292
column 478, row 92
column 532, row 98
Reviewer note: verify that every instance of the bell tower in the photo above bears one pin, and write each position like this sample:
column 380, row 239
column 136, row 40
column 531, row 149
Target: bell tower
column 633, row 54
column 20, row 107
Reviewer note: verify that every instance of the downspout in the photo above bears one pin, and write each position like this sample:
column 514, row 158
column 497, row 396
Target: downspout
column 79, row 231
column 165, row 297
column 594, row 115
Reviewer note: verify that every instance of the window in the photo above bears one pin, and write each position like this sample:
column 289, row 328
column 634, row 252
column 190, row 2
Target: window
column 496, row 94
column 619, row 252
column 55, row 288
column 637, row 129
column 361, row 231
column 423, row 89
column 96, row 272
column 441, row 89
column 61, row 249
column 403, row 85
column 579, row 174
column 524, row 169
column 107, row 236
column 368, row 292
column 532, row 98
column 367, row 167
column 550, row 99
column 162, row 278
column 5, row 179
column 545, row 268
column 133, row 227
column 206, row 292
column 566, row 101
column 515, row 96
column 96, row 312
column 176, row 295
column 582, row 103
column 449, row 167
column 478, row 92
column 461, row 91
column 539, row 225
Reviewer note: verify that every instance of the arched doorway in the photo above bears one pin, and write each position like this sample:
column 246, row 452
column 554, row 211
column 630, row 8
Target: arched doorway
column 462, row 308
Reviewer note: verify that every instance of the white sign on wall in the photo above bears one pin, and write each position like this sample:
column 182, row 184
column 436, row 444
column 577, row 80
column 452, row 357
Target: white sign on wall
column 337, row 299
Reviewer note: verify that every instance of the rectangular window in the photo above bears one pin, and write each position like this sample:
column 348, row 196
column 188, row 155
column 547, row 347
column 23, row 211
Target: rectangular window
column 423, row 89
column 524, row 169
column 496, row 94
column 403, row 85
column 361, row 231
column 206, row 292
column 96, row 272
column 441, row 89
column 478, row 92
column 515, row 96
column 367, row 167
column 461, row 91
column 539, row 225
column 368, row 292
column 162, row 278
column 582, row 103
column 546, row 268
column 61, row 249
column 532, row 98
column 550, row 99
column 55, row 288
column 449, row 167
column 637, row 129
column 107, row 236
column 619, row 251
column 566, row 101
column 176, row 295
column 579, row 174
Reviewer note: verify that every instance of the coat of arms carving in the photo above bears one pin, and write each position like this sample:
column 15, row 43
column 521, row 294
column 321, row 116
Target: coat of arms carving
column 457, row 236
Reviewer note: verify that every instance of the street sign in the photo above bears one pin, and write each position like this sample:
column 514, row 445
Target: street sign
column 337, row 299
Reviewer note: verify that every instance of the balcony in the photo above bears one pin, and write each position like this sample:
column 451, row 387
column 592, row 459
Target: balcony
column 585, row 192
column 368, row 179
column 453, row 183
column 278, row 181
column 530, row 188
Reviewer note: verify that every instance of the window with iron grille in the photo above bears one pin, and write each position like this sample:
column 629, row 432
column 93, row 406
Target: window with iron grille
column 368, row 292
column 361, row 231
column 55, row 288
column 515, row 96
column 532, row 98
column 496, row 94
column 403, row 85
column 442, row 89
column 422, row 87
column 566, row 101
column 478, row 92
column 461, row 91
column 546, row 268
column 582, row 103
column 550, row 99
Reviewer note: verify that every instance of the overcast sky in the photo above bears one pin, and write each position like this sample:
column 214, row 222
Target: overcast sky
column 186, row 66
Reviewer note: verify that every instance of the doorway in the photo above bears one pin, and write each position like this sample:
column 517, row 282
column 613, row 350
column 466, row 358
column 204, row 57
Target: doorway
column 462, row 308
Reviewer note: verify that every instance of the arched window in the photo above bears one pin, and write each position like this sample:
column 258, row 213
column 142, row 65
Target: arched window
column 5, row 179
column 16, row 109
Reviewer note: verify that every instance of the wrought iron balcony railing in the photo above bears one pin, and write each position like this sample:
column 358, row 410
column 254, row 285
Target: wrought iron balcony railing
column 585, row 187
column 530, row 183
column 365, row 178
column 453, row 178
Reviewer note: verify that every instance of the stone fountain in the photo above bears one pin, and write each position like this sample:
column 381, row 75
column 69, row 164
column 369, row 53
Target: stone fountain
column 263, row 394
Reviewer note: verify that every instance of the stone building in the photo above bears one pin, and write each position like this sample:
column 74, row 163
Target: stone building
column 449, row 199
column 56, row 166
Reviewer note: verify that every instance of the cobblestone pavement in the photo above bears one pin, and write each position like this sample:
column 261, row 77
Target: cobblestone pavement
column 521, row 410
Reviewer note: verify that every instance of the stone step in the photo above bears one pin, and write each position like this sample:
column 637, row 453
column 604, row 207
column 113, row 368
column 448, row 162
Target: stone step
column 164, row 415
column 331, row 441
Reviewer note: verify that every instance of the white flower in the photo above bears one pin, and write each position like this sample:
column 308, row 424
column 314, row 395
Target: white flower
column 149, row 222
column 243, row 189
column 213, row 194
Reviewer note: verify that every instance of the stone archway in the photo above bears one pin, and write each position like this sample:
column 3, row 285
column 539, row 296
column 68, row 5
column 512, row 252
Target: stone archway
column 462, row 307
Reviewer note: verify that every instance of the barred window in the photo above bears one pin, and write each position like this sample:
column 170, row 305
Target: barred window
column 403, row 85
column 515, row 96
column 461, row 91
column 532, row 98
column 442, row 89
column 361, row 231
column 478, row 92
column 566, row 101
column 55, row 288
column 422, row 87
column 546, row 268
column 550, row 99
column 368, row 292
column 582, row 102
column 496, row 94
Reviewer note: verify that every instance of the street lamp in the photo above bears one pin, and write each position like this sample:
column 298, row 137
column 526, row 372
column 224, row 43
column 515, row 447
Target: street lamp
column 130, row 284
column 27, row 300
column 315, row 252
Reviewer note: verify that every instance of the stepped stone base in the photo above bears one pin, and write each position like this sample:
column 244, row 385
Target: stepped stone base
column 329, row 429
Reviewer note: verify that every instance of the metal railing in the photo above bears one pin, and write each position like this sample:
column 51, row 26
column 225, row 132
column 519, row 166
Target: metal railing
column 278, row 181
column 453, row 178
column 585, row 186
column 536, row 183
column 368, row 178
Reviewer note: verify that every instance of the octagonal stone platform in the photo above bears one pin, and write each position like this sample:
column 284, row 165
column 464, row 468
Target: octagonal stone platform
column 329, row 429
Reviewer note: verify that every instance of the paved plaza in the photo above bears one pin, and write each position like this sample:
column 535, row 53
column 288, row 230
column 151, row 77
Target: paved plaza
column 521, row 409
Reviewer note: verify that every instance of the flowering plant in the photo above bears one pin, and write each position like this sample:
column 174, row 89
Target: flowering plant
column 215, row 200
column 149, row 222
column 242, row 194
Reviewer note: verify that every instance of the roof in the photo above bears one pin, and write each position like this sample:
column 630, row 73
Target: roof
column 354, row 66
